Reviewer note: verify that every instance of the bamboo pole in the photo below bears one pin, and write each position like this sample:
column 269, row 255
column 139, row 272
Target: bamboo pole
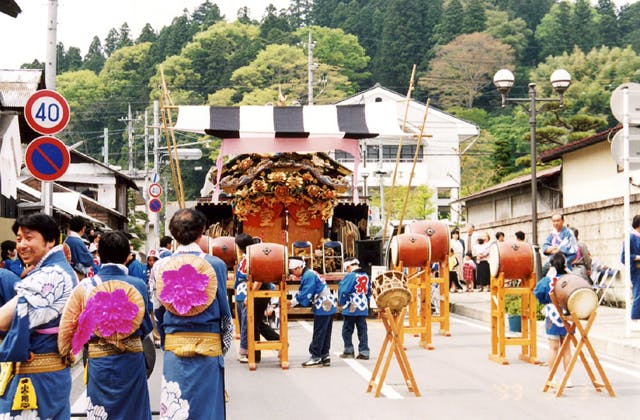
column 395, row 171
column 166, row 104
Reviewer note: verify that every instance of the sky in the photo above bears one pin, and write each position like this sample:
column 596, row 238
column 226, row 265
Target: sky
column 24, row 38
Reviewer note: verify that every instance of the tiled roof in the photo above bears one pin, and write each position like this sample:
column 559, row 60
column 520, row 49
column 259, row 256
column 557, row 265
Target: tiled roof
column 557, row 152
column 521, row 180
column 16, row 86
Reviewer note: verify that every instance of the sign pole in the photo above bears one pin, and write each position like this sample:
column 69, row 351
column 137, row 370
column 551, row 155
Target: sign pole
column 46, row 188
column 627, row 209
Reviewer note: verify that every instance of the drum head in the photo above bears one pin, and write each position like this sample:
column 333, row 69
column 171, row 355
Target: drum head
column 582, row 303
column 494, row 259
column 394, row 299
column 394, row 251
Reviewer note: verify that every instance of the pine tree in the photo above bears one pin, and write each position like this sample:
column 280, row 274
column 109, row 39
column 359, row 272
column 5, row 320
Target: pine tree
column 474, row 17
column 73, row 58
column 583, row 23
column 206, row 15
column 147, row 34
column 124, row 39
column 111, row 41
column 94, row 60
column 449, row 27
column 607, row 26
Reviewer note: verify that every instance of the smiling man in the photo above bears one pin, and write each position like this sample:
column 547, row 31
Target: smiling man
column 40, row 384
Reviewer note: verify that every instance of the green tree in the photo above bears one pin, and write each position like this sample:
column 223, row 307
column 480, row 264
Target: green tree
column 607, row 24
column 244, row 16
column 554, row 33
column 449, row 27
column 206, row 15
column 124, row 37
column 322, row 12
column 299, row 11
column 73, row 59
column 583, row 22
column 171, row 39
column 84, row 92
column 466, row 75
column 629, row 19
column 35, row 64
column 512, row 32
column 532, row 11
column 275, row 28
column 61, row 58
column 147, row 34
column 217, row 52
column 94, row 60
column 419, row 206
column 594, row 76
column 111, row 41
column 474, row 17
column 284, row 67
column 335, row 48
column 406, row 37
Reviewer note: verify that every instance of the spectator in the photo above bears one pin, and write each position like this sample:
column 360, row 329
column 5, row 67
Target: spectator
column 81, row 258
column 454, row 266
column 136, row 268
column 469, row 270
column 582, row 263
column 500, row 236
column 634, row 258
column 483, row 271
column 519, row 236
column 166, row 244
column 10, row 259
column 458, row 247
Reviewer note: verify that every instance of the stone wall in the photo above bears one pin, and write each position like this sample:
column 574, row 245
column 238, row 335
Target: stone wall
column 600, row 225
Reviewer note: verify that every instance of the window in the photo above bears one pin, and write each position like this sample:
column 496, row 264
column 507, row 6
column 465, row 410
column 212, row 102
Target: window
column 341, row 156
column 389, row 153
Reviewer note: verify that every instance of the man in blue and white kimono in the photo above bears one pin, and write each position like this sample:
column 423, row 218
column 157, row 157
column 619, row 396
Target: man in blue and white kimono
column 560, row 240
column 39, row 386
column 354, row 292
column 314, row 291
column 115, row 315
column 194, row 322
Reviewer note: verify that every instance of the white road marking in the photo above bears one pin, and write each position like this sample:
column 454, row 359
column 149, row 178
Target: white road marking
column 387, row 391
column 608, row 363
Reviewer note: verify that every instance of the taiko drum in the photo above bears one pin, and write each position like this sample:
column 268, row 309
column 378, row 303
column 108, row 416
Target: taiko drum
column 575, row 295
column 438, row 234
column 514, row 259
column 267, row 262
column 224, row 247
column 410, row 249
column 390, row 290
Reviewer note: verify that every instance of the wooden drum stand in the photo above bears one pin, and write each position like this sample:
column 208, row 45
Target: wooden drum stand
column 444, row 285
column 419, row 284
column 252, row 342
column 527, row 339
column 571, row 322
column 392, row 321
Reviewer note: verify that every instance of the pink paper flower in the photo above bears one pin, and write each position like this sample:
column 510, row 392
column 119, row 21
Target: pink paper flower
column 86, row 326
column 184, row 288
column 113, row 312
column 106, row 312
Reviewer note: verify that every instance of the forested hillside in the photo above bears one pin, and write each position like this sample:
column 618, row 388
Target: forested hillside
column 457, row 45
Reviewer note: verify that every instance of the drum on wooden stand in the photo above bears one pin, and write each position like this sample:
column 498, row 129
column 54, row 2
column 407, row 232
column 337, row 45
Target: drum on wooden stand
column 224, row 247
column 267, row 262
column 514, row 259
column 390, row 290
column 410, row 249
column 438, row 234
column 575, row 295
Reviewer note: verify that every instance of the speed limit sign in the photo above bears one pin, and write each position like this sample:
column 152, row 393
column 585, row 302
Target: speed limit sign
column 47, row 112
column 155, row 190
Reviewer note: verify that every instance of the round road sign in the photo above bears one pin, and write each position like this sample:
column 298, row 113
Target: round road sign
column 47, row 112
column 617, row 105
column 617, row 148
column 47, row 158
column 155, row 205
column 155, row 190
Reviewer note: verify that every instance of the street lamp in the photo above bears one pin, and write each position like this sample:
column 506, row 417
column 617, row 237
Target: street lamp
column 560, row 81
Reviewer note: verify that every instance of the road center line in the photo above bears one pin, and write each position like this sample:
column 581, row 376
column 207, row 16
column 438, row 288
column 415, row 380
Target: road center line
column 387, row 391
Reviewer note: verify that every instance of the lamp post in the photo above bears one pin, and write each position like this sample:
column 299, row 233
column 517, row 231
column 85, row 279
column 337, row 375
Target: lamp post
column 560, row 81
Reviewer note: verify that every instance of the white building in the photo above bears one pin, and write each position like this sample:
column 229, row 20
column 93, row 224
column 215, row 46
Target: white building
column 438, row 164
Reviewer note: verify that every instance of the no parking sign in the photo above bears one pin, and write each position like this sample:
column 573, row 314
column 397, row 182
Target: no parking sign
column 47, row 158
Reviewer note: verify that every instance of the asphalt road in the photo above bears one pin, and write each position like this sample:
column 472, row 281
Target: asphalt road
column 455, row 379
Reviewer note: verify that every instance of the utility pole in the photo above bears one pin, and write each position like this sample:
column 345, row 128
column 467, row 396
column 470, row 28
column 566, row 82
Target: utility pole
column 146, row 146
column 46, row 187
column 156, row 170
column 129, row 121
column 310, row 66
column 105, row 147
